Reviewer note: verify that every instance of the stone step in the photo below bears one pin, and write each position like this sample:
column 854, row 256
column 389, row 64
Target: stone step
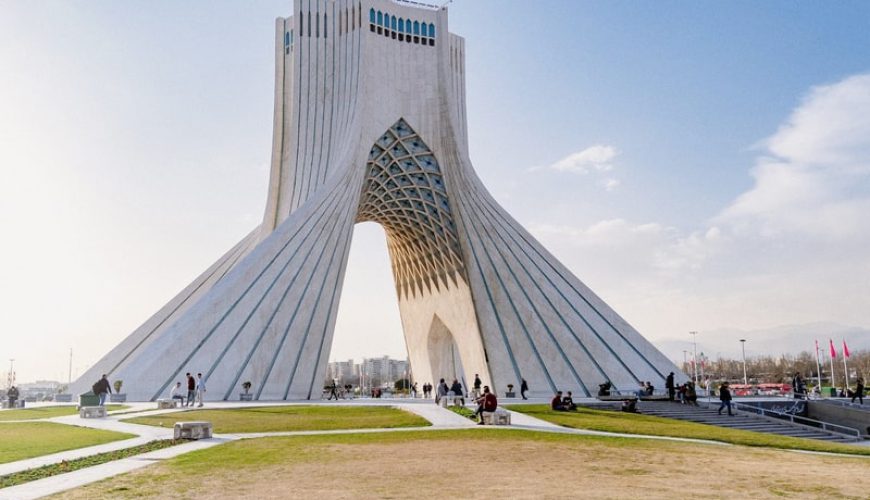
column 746, row 421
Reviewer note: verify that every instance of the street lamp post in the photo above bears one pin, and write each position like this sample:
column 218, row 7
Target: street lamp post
column 743, row 349
column 694, row 358
column 685, row 359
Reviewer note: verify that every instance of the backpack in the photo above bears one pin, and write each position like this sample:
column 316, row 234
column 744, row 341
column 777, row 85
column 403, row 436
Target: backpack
column 96, row 387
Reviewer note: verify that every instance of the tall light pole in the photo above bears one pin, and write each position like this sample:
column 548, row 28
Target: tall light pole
column 10, row 381
column 685, row 359
column 694, row 358
column 69, row 380
column 743, row 349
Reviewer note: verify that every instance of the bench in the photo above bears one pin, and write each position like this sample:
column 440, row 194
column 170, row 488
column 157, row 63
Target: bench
column 92, row 412
column 497, row 417
column 192, row 430
column 163, row 404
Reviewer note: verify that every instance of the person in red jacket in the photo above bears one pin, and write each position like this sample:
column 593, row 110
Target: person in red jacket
column 487, row 402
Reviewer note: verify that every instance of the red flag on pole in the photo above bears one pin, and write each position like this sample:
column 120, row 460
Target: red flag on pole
column 833, row 351
column 845, row 349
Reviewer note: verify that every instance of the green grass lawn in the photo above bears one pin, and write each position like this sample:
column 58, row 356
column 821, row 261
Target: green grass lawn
column 46, row 412
column 22, row 440
column 290, row 418
column 632, row 423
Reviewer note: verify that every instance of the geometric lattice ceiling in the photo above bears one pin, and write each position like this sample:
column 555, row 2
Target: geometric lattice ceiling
column 404, row 192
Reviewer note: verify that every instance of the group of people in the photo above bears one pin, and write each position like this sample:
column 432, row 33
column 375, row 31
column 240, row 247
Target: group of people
column 563, row 403
column 684, row 393
column 645, row 388
column 195, row 390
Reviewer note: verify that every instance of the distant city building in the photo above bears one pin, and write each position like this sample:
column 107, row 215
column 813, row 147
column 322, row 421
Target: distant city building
column 371, row 372
column 39, row 390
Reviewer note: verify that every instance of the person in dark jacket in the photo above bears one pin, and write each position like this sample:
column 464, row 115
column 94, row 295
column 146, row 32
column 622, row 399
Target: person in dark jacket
column 669, row 384
column 486, row 402
column 191, row 389
column 12, row 395
column 725, row 397
column 524, row 387
column 859, row 391
column 102, row 389
column 456, row 387
column 556, row 402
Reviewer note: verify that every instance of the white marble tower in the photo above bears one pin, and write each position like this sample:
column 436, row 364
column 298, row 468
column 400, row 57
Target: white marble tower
column 369, row 125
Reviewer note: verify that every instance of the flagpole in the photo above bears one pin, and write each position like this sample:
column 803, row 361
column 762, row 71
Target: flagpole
column 845, row 369
column 833, row 355
column 818, row 368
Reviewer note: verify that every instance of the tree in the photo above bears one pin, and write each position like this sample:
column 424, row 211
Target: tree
column 402, row 384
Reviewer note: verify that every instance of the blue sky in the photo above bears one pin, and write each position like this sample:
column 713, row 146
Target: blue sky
column 700, row 165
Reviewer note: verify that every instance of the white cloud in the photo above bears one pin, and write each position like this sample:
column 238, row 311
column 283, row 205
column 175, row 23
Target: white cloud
column 597, row 158
column 813, row 178
column 610, row 183
column 793, row 248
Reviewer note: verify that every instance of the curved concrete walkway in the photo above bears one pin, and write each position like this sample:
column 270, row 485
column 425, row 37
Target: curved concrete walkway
column 440, row 419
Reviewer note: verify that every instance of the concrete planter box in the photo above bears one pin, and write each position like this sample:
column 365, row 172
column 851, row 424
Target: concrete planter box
column 89, row 399
column 118, row 398
column 246, row 397
column 63, row 398
column 510, row 394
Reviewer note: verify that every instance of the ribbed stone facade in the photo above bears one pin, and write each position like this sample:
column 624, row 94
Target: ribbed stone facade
column 369, row 125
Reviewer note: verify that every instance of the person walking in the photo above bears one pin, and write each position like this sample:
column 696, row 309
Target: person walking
column 191, row 389
column 669, row 385
column 859, row 391
column 102, row 389
column 524, row 387
column 414, row 391
column 200, row 389
column 333, row 393
column 477, row 383
column 725, row 397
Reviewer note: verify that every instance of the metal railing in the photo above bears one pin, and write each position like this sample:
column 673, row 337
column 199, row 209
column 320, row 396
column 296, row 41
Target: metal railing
column 843, row 403
column 798, row 420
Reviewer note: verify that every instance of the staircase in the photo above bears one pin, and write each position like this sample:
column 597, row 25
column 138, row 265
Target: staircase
column 741, row 420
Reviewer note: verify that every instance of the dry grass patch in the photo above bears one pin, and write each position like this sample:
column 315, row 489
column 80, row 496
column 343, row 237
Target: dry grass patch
column 484, row 463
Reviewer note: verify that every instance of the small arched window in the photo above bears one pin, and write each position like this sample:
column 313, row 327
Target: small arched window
column 393, row 23
column 325, row 29
column 401, row 25
column 301, row 24
column 372, row 16
column 431, row 30
column 380, row 18
column 416, row 28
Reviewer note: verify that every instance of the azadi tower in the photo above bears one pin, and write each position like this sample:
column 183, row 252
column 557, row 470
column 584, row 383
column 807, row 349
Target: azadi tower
column 370, row 125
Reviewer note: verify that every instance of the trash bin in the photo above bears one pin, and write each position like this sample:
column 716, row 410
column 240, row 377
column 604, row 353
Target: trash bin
column 89, row 399
column 833, row 392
